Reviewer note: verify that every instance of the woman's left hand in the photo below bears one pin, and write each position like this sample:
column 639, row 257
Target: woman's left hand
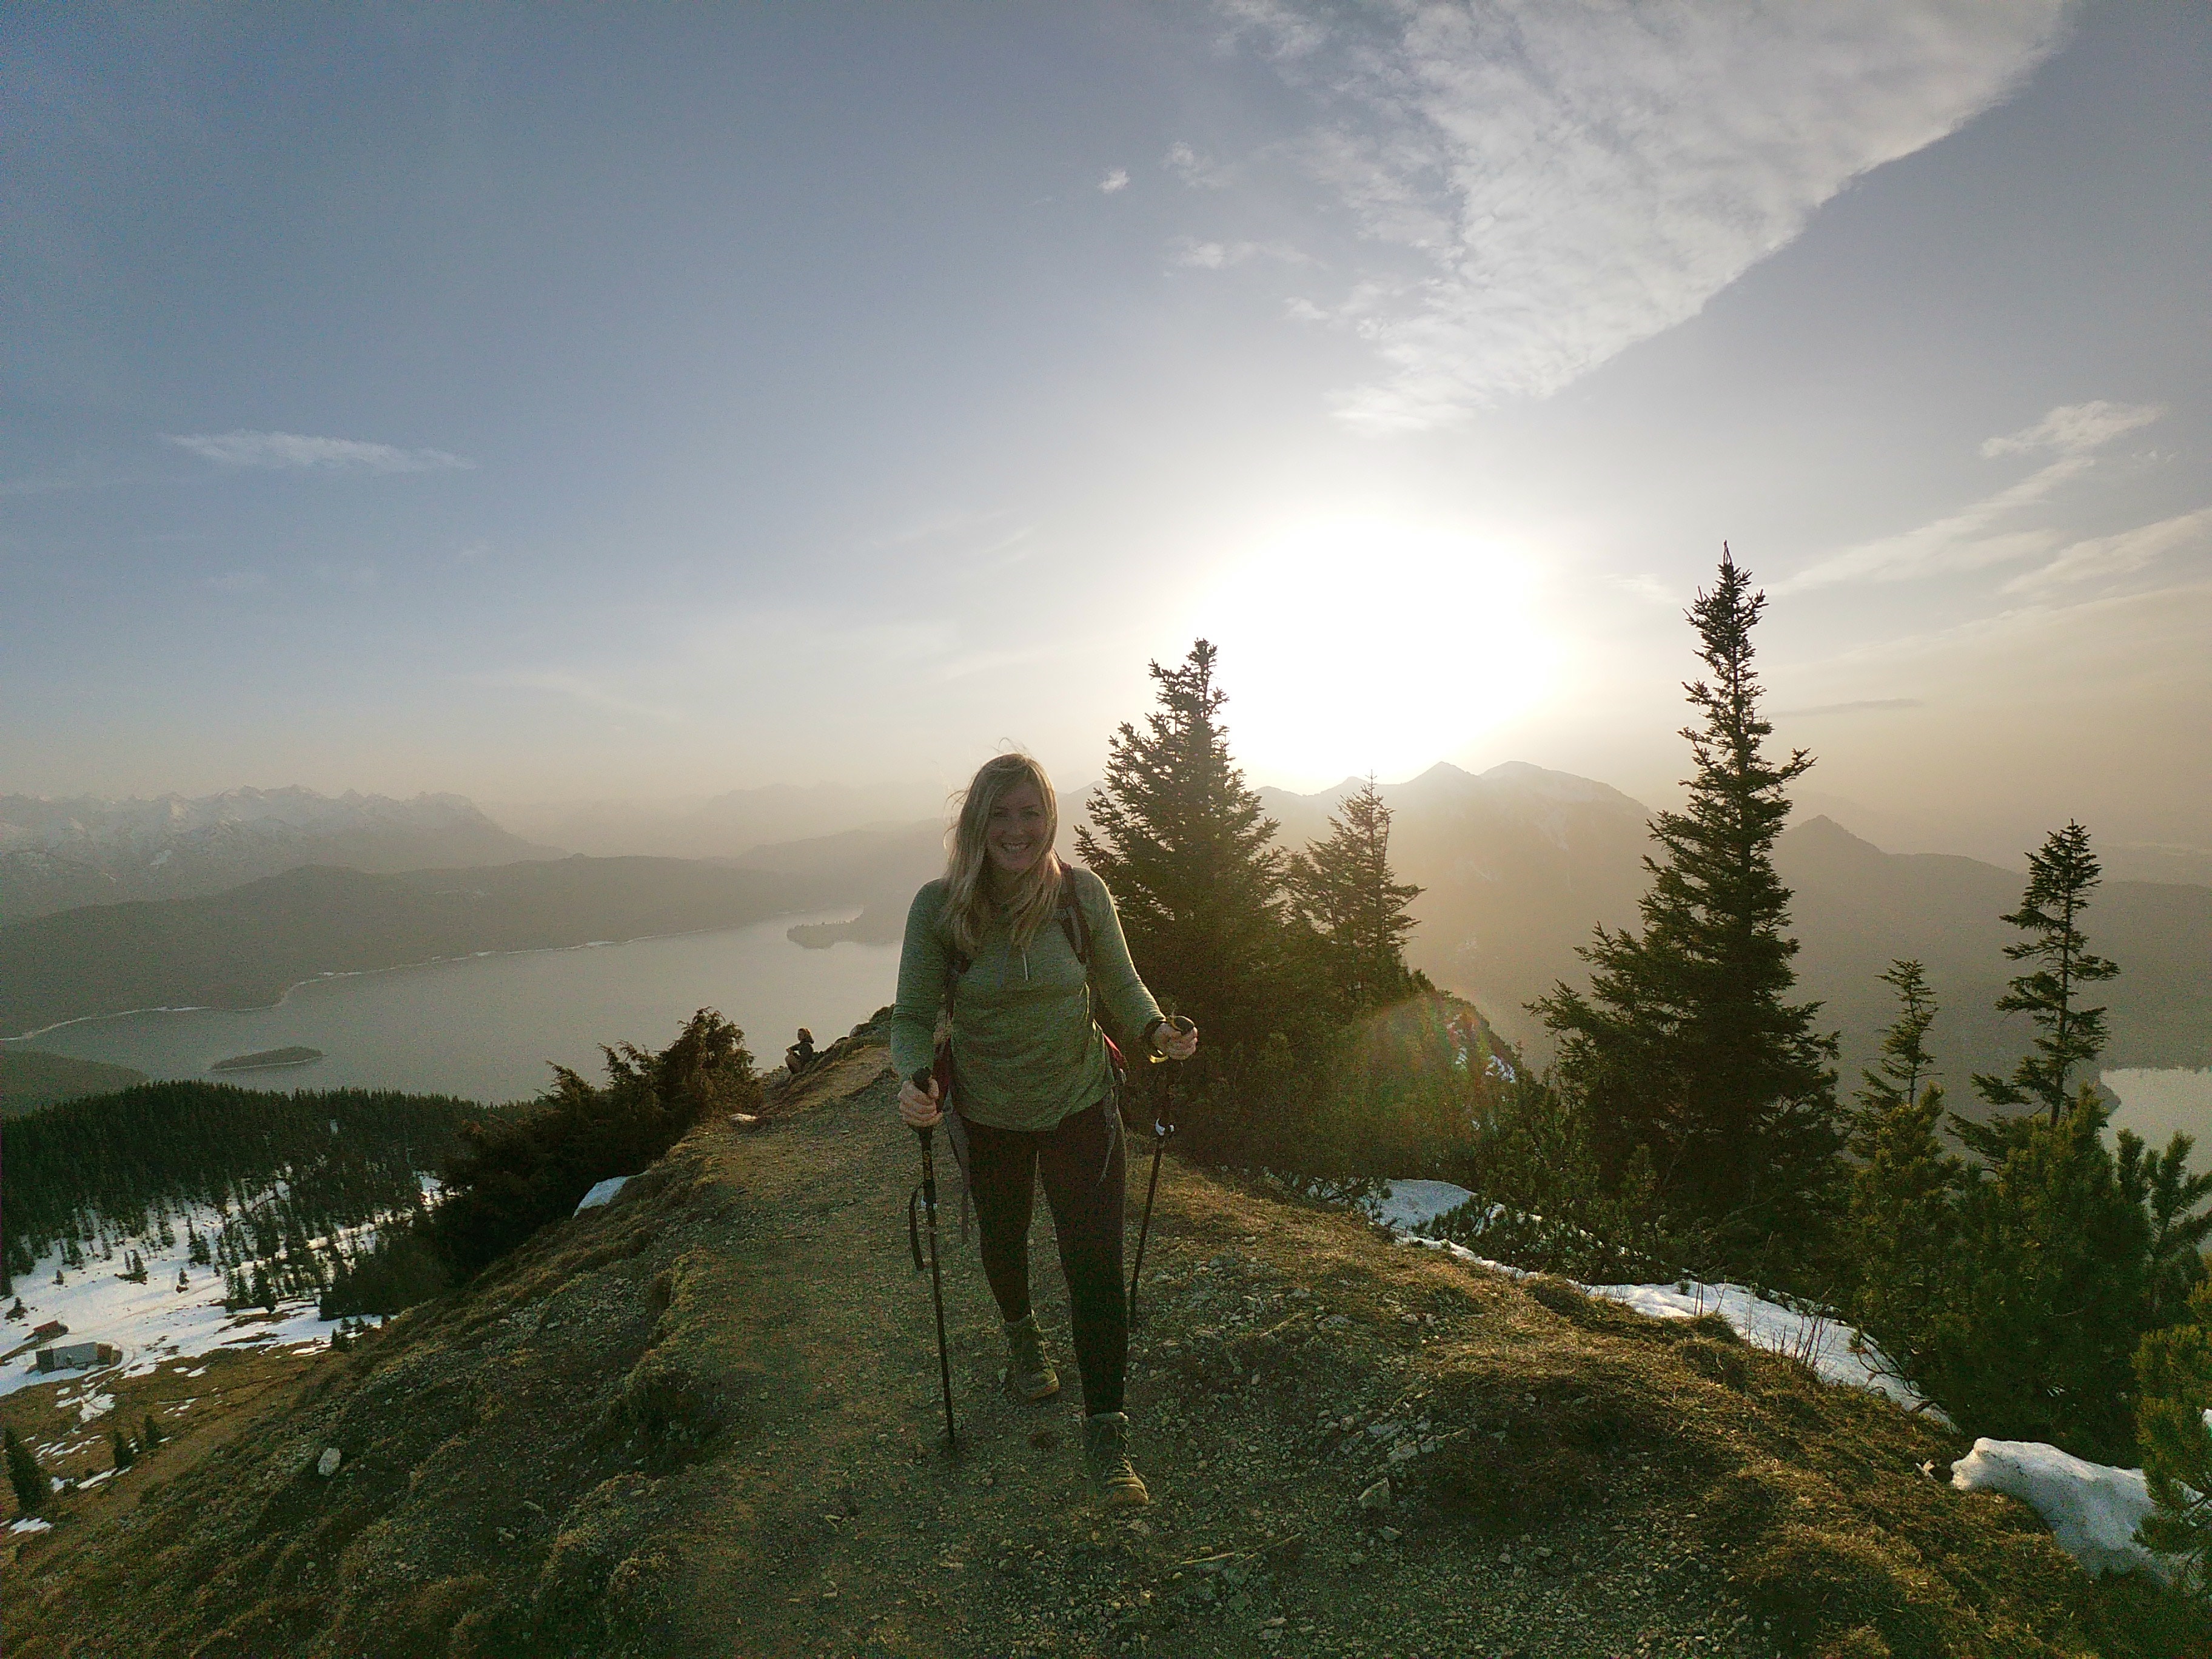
column 1176, row 1042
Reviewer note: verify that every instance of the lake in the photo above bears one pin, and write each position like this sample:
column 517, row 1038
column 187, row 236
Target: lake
column 2154, row 1103
column 485, row 1027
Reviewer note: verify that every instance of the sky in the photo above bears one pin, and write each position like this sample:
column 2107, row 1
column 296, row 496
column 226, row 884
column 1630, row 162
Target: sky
column 567, row 403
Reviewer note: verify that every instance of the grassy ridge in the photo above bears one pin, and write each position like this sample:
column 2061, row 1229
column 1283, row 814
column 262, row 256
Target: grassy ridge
column 702, row 1421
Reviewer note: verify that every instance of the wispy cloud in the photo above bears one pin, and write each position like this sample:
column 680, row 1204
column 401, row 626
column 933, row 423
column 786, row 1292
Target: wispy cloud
column 295, row 450
column 2074, row 429
column 1198, row 171
column 2102, row 557
column 1189, row 252
column 1540, row 186
column 1978, row 535
column 1116, row 179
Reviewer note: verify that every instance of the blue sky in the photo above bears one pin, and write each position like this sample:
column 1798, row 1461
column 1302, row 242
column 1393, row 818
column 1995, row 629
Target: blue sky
column 545, row 403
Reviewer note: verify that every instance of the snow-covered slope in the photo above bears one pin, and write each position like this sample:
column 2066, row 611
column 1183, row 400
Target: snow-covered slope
column 149, row 1323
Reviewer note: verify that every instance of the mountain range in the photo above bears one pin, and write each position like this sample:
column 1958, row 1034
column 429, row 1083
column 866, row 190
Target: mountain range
column 1518, row 864
column 60, row 854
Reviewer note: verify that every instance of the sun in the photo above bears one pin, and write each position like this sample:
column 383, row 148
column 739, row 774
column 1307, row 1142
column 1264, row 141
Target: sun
column 1357, row 645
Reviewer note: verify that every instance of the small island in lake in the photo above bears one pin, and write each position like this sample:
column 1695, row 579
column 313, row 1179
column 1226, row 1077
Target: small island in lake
column 254, row 1062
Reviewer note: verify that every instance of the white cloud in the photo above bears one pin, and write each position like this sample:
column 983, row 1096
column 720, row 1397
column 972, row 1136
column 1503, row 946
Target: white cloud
column 291, row 449
column 1116, row 179
column 1540, row 186
column 1975, row 536
column 2118, row 554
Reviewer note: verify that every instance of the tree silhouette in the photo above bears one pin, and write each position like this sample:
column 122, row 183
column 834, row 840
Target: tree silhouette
column 1343, row 888
column 1181, row 842
column 2060, row 878
column 1687, row 1042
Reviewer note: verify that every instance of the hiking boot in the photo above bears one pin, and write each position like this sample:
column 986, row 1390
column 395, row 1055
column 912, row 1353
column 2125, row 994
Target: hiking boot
column 1029, row 1374
column 1106, row 1455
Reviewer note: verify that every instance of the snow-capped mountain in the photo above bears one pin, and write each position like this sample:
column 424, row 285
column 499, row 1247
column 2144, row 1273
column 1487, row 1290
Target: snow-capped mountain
column 58, row 853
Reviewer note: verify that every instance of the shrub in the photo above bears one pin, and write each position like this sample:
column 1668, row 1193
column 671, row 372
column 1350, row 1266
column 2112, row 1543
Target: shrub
column 513, row 1175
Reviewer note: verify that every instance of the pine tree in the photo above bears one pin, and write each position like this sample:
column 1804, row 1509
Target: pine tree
column 2060, row 879
column 1905, row 1063
column 2048, row 1299
column 32, row 1484
column 152, row 1436
column 1686, row 1044
column 1903, row 1233
column 2173, row 1392
column 2169, row 1195
column 1343, row 888
column 120, row 1446
column 1181, row 843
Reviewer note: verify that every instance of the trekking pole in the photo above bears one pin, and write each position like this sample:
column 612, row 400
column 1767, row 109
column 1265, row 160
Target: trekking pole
column 1163, row 1129
column 925, row 1195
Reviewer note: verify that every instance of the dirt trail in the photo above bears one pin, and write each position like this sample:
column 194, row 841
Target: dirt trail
column 843, row 1527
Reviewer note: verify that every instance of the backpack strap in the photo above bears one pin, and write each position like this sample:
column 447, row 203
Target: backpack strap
column 1073, row 922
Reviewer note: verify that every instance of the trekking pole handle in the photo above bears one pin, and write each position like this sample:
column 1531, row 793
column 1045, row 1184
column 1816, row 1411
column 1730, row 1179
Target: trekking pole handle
column 922, row 1079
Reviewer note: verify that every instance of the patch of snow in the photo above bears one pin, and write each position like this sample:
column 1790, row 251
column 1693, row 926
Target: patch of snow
column 1836, row 1352
column 602, row 1194
column 30, row 1523
column 2092, row 1509
column 92, row 1405
column 1415, row 1203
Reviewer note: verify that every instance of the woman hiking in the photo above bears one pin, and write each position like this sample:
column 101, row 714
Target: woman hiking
column 1023, row 950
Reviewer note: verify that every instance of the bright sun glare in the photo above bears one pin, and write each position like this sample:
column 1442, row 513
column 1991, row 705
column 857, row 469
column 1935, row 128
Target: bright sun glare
column 1351, row 646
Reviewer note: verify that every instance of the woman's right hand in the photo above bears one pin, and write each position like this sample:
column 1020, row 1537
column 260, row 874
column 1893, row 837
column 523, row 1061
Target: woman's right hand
column 919, row 1109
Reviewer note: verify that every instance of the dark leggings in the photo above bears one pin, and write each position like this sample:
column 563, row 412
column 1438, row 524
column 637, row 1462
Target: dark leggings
column 1085, row 1164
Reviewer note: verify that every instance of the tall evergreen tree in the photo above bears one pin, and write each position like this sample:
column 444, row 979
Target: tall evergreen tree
column 2060, row 879
column 32, row 1484
column 1181, row 842
column 1342, row 886
column 1687, row 1042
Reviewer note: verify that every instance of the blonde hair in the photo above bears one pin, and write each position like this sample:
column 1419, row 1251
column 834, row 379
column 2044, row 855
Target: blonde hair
column 969, row 906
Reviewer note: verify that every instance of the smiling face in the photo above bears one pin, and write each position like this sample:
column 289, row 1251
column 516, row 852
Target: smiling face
column 1019, row 833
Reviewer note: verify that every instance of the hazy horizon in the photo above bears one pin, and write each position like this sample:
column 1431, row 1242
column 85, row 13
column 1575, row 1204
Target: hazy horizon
column 638, row 406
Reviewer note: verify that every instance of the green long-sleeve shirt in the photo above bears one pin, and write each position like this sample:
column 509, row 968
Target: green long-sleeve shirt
column 1026, row 1049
